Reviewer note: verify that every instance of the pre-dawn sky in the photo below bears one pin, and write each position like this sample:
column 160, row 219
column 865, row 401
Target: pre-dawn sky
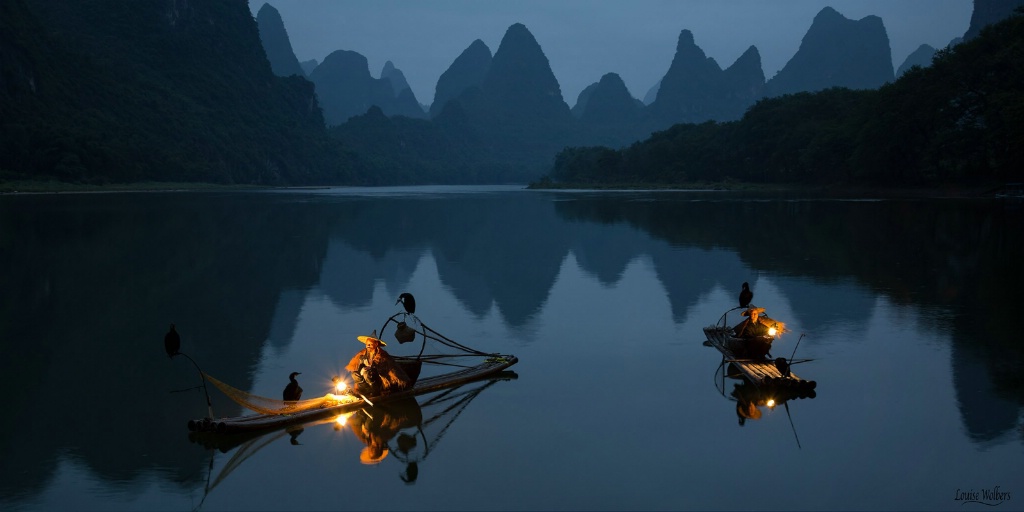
column 584, row 39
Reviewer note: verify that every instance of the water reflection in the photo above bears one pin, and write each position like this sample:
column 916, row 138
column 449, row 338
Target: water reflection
column 403, row 432
column 753, row 401
column 92, row 282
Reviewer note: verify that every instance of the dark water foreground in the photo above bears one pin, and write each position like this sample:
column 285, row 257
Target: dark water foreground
column 910, row 310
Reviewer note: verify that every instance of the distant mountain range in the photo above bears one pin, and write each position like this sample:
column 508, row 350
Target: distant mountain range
column 108, row 91
column 521, row 93
column 835, row 52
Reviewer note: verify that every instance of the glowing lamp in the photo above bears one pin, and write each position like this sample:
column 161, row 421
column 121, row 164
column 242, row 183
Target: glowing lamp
column 772, row 331
column 771, row 402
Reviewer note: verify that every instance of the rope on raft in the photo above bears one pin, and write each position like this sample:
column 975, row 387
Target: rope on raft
column 435, row 336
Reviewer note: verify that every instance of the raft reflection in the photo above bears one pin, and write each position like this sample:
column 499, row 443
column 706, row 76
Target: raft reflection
column 753, row 400
column 397, row 430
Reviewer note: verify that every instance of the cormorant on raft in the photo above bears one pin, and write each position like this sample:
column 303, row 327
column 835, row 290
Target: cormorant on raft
column 408, row 302
column 746, row 296
column 782, row 365
column 172, row 342
column 292, row 392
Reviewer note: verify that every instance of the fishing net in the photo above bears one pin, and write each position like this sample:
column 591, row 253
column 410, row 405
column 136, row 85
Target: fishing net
column 264, row 405
column 446, row 355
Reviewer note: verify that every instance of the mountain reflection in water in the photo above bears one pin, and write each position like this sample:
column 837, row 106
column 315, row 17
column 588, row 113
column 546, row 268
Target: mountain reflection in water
column 92, row 282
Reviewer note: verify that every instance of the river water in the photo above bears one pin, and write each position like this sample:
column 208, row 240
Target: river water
column 908, row 310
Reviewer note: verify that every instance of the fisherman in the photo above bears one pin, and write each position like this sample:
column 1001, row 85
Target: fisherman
column 755, row 331
column 374, row 370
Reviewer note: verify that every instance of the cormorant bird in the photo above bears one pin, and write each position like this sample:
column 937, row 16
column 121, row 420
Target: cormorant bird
column 172, row 342
column 408, row 302
column 746, row 296
column 292, row 391
column 782, row 365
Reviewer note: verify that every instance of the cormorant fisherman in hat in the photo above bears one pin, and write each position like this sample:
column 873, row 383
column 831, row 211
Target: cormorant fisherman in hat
column 755, row 330
column 374, row 370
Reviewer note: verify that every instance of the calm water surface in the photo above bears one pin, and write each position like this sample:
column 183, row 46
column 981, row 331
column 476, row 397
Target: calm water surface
column 910, row 310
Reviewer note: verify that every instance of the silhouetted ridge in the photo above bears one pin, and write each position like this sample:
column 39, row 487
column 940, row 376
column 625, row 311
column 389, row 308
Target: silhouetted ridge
column 987, row 12
column 922, row 56
column 308, row 66
column 346, row 89
column 468, row 70
column 519, row 84
column 695, row 89
column 836, row 52
column 608, row 101
column 398, row 81
column 276, row 43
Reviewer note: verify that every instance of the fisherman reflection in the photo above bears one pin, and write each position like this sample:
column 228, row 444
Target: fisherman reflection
column 377, row 426
column 747, row 402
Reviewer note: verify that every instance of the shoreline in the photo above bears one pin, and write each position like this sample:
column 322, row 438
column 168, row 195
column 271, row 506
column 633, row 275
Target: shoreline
column 824, row 191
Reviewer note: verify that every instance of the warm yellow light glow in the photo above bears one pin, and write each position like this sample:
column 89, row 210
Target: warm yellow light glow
column 340, row 386
column 772, row 331
column 342, row 419
column 771, row 402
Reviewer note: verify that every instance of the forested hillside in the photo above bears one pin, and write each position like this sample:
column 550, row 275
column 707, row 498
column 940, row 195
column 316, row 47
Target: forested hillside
column 959, row 121
column 119, row 92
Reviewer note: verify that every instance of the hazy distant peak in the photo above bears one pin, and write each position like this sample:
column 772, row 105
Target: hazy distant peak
column 685, row 39
column 827, row 12
column 837, row 52
column 466, row 72
column 478, row 44
column 395, row 75
column 276, row 44
column 347, row 60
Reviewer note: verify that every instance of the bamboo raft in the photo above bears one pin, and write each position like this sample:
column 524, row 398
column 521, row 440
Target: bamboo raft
column 348, row 402
column 762, row 372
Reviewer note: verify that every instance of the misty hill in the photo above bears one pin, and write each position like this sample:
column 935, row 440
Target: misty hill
column 395, row 75
column 607, row 101
column 345, row 89
column 466, row 72
column 98, row 92
column 696, row 89
column 519, row 85
column 922, row 56
column 517, row 112
column 608, row 115
column 308, row 66
column 836, row 52
column 276, row 43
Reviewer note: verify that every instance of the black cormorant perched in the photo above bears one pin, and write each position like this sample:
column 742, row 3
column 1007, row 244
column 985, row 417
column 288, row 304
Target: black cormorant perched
column 746, row 296
column 172, row 342
column 292, row 391
column 408, row 302
column 782, row 365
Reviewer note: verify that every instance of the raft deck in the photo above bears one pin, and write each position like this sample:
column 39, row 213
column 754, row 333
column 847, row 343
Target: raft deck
column 260, row 422
column 761, row 372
